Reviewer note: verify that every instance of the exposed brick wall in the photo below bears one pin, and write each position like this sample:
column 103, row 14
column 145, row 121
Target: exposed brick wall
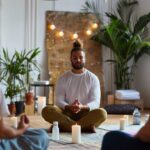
column 59, row 48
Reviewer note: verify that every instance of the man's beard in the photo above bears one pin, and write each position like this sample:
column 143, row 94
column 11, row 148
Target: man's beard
column 78, row 66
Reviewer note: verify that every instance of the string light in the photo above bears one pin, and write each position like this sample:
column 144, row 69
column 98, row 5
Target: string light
column 51, row 27
column 94, row 25
column 75, row 36
column 61, row 33
column 88, row 32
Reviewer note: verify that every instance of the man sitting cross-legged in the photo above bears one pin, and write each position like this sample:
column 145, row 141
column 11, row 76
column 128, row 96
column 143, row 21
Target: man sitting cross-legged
column 77, row 96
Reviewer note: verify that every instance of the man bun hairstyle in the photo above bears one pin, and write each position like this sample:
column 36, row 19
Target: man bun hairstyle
column 77, row 46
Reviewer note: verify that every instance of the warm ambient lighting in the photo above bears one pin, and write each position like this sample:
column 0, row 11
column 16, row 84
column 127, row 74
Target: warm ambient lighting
column 94, row 25
column 51, row 27
column 88, row 32
column 61, row 33
column 75, row 36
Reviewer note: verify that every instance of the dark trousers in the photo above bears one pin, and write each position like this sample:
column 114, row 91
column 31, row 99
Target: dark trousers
column 117, row 140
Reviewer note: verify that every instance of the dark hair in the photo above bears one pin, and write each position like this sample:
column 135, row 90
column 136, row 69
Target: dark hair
column 77, row 46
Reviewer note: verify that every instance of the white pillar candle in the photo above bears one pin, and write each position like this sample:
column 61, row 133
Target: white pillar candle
column 14, row 122
column 146, row 117
column 122, row 123
column 41, row 103
column 76, row 134
column 127, row 119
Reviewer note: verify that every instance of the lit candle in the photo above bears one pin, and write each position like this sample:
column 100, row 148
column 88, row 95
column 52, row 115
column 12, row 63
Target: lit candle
column 146, row 117
column 76, row 134
column 41, row 103
column 14, row 122
column 127, row 119
column 122, row 123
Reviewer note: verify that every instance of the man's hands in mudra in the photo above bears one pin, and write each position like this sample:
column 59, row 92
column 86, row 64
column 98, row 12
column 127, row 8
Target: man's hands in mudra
column 76, row 107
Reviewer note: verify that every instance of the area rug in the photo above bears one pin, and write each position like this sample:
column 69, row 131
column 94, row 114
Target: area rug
column 113, row 123
column 93, row 141
column 70, row 146
column 89, row 141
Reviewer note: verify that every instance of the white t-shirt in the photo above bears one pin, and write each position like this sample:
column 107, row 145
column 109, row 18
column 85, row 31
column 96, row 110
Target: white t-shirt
column 85, row 87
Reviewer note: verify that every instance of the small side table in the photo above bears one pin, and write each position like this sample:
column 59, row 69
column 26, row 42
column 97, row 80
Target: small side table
column 45, row 85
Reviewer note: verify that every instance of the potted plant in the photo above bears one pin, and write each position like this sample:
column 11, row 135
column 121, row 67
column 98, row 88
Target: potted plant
column 125, row 37
column 13, row 73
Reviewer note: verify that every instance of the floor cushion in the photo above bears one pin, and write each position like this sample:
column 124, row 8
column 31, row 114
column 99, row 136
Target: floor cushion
column 120, row 108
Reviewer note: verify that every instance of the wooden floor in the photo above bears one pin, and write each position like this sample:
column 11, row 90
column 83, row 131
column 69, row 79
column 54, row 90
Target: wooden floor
column 36, row 121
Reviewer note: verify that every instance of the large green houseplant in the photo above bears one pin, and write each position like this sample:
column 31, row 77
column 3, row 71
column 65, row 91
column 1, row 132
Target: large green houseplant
column 11, row 75
column 11, row 72
column 125, row 36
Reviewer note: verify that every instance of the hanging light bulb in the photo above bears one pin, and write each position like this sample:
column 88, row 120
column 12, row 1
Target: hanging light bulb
column 75, row 36
column 88, row 32
column 51, row 27
column 61, row 33
column 94, row 25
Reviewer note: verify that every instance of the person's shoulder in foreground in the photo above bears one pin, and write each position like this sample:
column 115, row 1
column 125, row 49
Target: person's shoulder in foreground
column 116, row 140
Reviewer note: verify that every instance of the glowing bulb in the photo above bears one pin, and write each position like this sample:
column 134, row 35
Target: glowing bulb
column 75, row 36
column 94, row 25
column 88, row 32
column 61, row 33
column 52, row 26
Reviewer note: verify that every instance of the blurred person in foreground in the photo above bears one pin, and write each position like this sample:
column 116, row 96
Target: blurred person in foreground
column 23, row 137
column 117, row 140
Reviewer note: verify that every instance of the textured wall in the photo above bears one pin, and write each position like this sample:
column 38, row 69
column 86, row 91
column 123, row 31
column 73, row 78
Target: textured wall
column 59, row 48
